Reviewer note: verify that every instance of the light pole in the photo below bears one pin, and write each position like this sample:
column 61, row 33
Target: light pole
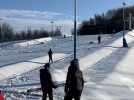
column 130, row 21
column 124, row 40
column 1, row 26
column 52, row 22
column 1, row 31
column 75, row 28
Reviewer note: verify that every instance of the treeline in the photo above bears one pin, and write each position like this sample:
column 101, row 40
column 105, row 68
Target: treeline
column 107, row 23
column 8, row 34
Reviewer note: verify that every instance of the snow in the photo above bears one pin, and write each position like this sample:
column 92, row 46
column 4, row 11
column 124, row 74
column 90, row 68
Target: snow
column 20, row 68
column 107, row 67
column 34, row 42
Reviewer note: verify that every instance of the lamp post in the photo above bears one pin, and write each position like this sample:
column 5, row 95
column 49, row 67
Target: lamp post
column 1, row 26
column 130, row 21
column 52, row 22
column 75, row 28
column 124, row 40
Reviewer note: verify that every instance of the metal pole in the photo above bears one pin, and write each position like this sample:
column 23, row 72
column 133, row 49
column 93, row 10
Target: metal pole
column 52, row 28
column 75, row 29
column 124, row 40
column 1, row 28
column 130, row 21
column 123, row 21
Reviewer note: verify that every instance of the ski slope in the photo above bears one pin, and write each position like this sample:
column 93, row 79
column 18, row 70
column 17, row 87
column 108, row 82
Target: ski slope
column 26, row 66
column 107, row 68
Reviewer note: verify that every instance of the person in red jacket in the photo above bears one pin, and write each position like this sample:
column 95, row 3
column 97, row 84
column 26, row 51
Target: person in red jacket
column 1, row 95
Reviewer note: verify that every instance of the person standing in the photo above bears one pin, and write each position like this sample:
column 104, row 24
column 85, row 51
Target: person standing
column 74, row 82
column 47, row 83
column 99, row 39
column 50, row 54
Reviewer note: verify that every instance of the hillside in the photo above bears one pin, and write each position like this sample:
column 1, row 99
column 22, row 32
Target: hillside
column 108, row 68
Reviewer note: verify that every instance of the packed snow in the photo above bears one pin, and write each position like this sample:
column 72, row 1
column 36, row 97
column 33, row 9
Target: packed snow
column 107, row 67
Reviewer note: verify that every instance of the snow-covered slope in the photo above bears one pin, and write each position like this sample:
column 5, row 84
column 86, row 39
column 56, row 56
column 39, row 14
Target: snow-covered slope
column 108, row 68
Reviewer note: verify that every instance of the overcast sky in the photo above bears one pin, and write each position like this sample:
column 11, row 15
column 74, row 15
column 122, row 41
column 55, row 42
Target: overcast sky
column 39, row 13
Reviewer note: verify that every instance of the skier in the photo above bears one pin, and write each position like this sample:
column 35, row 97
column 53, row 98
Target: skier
column 74, row 82
column 50, row 54
column 99, row 39
column 47, row 83
column 1, row 95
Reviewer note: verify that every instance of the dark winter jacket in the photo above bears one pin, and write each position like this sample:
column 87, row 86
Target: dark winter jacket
column 50, row 52
column 73, row 79
column 46, row 79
